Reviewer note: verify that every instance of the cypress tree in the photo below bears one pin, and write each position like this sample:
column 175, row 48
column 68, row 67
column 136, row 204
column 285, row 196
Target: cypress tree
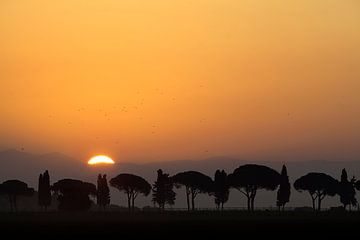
column 220, row 189
column 103, row 191
column 163, row 192
column 347, row 190
column 40, row 191
column 283, row 194
column 46, row 190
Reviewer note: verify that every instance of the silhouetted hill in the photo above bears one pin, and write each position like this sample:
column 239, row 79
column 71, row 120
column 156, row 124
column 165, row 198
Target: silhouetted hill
column 27, row 166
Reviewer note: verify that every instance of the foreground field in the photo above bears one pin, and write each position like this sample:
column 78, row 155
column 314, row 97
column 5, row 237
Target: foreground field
column 172, row 225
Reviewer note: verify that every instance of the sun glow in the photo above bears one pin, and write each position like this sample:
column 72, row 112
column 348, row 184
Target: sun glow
column 100, row 159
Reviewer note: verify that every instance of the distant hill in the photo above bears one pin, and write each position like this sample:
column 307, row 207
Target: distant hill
column 27, row 167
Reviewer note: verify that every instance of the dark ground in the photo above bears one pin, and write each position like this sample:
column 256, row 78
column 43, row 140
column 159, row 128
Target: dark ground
column 184, row 225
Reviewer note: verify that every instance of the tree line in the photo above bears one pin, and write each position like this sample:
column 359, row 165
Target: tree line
column 75, row 195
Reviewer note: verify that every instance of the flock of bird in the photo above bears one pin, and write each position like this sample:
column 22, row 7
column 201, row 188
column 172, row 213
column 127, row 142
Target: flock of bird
column 127, row 109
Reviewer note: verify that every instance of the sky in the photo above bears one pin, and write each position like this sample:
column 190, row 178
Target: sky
column 159, row 80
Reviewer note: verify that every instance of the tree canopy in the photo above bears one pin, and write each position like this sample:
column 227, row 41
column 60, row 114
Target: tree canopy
column 195, row 183
column 73, row 195
column 319, row 185
column 251, row 177
column 132, row 185
column 14, row 188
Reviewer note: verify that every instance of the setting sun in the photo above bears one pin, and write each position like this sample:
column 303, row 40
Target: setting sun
column 100, row 159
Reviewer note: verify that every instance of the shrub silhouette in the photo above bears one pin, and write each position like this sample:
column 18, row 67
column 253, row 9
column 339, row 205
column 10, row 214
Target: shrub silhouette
column 346, row 190
column 195, row 183
column 283, row 194
column 132, row 185
column 103, row 191
column 319, row 185
column 220, row 189
column 44, row 190
column 13, row 189
column 251, row 177
column 163, row 192
column 73, row 195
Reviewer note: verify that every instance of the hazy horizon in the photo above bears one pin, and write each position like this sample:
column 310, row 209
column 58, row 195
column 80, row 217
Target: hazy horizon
column 61, row 166
column 118, row 160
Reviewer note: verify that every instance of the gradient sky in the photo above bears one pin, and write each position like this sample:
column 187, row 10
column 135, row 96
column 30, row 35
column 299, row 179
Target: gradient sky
column 157, row 80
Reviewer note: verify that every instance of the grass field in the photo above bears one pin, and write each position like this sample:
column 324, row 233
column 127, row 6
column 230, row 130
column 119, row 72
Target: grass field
column 181, row 224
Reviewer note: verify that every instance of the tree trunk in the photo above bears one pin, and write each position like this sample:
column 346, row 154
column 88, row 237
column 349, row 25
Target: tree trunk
column 133, row 203
column 313, row 202
column 193, row 201
column 319, row 203
column 129, row 203
column 15, row 204
column 187, row 198
column 248, row 203
column 11, row 203
column 252, row 203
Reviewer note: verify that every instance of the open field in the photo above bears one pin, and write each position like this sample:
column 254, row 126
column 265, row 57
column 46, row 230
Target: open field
column 181, row 224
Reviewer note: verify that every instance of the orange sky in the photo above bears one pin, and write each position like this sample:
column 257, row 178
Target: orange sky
column 161, row 80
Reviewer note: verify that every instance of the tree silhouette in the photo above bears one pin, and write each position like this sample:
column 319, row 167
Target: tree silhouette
column 220, row 189
column 283, row 194
column 40, row 190
column 132, row 185
column 346, row 190
column 13, row 189
column 251, row 177
column 195, row 183
column 73, row 195
column 103, row 191
column 163, row 192
column 319, row 185
column 357, row 187
column 44, row 190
